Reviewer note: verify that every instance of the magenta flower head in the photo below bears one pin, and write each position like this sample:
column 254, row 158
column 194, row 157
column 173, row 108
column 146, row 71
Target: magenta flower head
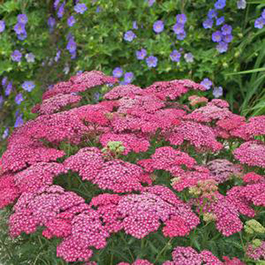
column 178, row 28
column 19, row 28
column 80, row 8
column 175, row 56
column 2, row 25
column 181, row 18
column 129, row 36
column 19, row 98
column 71, row 21
column 158, row 26
column 16, row 56
column 28, row 86
column 141, row 54
column 151, row 61
column 22, row 18
column 117, row 72
column 207, row 83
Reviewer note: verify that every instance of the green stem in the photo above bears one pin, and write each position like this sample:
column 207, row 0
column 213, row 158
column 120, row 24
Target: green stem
column 127, row 247
column 163, row 249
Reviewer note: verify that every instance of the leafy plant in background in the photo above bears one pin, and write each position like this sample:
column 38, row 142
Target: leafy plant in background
column 159, row 175
column 47, row 41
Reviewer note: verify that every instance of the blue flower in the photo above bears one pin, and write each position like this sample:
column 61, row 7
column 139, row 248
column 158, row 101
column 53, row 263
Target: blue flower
column 227, row 38
column 129, row 36
column 135, row 26
column 19, row 121
column 5, row 134
column 141, row 54
column 226, row 29
column 19, row 98
column 217, row 36
column 188, row 57
column 22, row 36
column 151, row 2
column 71, row 45
column 57, row 56
column 241, row 4
column 30, row 57
column 16, row 56
column 175, row 56
column 128, row 77
column 208, row 23
column 151, row 61
column 207, row 83
column 28, row 86
column 8, row 89
column 19, row 28
column 22, row 18
column 117, row 72
column 220, row 21
column 218, row 92
column 263, row 14
column 61, row 11
column 51, row 22
column 1, row 100
column 212, row 13
column 2, row 25
column 181, row 18
column 80, row 8
column 158, row 26
column 181, row 36
column 220, row 4
column 178, row 28
column 222, row 47
column 56, row 3
column 259, row 23
column 71, row 21
column 4, row 81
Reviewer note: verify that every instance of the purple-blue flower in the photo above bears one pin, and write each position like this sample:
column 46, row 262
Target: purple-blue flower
column 181, row 36
column 135, row 26
column 208, row 23
column 56, row 3
column 28, row 86
column 16, row 56
column 22, row 36
column 19, row 98
column 60, row 11
column 181, row 18
column 188, row 57
column 30, row 57
column 226, row 29
column 57, row 56
column 19, row 28
column 19, row 121
column 51, row 22
column 241, row 4
column 259, row 23
column 151, row 61
column 8, row 88
column 212, row 13
column 178, row 28
column 207, row 83
column 220, row 21
column 129, row 36
column 5, row 134
column 141, row 54
column 175, row 56
column 218, row 92
column 96, row 96
column 263, row 14
column 227, row 38
column 1, row 100
column 71, row 45
column 2, row 25
column 80, row 8
column 217, row 36
column 158, row 26
column 4, row 81
column 151, row 2
column 220, row 4
column 128, row 77
column 22, row 18
column 117, row 72
column 222, row 47
column 71, row 21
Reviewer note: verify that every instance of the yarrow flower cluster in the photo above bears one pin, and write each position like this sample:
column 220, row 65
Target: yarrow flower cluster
column 148, row 164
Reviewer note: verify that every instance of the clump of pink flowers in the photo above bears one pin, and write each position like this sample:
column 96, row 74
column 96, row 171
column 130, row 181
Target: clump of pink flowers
column 137, row 164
